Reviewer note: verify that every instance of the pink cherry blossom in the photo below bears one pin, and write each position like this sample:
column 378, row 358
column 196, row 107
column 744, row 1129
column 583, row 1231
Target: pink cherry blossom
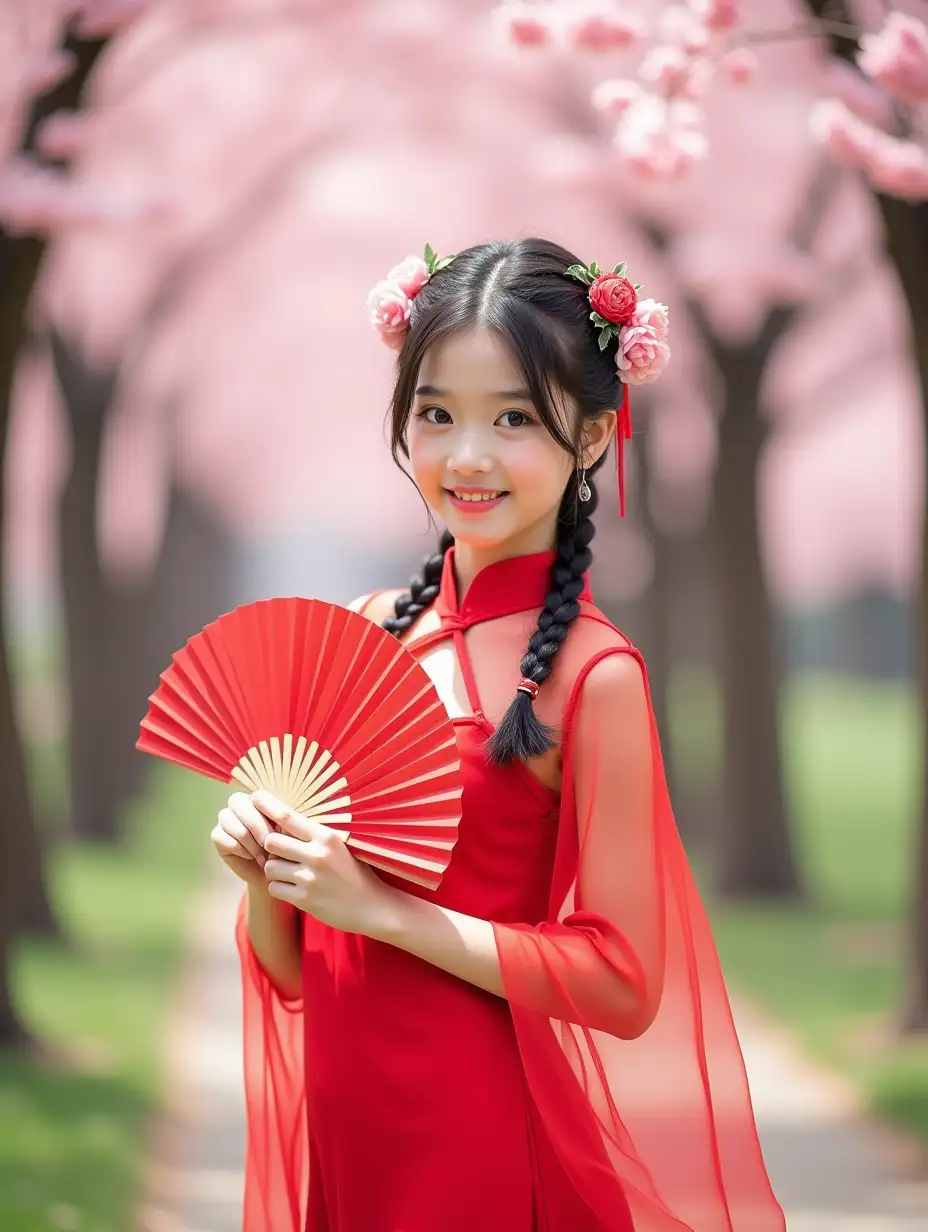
column 899, row 168
column 410, row 276
column 862, row 95
column 661, row 138
column 389, row 308
column 524, row 25
column 601, row 27
column 615, row 96
column 662, row 156
column 897, row 57
column 848, row 139
column 652, row 314
column 642, row 356
column 739, row 65
column 682, row 27
column 717, row 15
column 666, row 68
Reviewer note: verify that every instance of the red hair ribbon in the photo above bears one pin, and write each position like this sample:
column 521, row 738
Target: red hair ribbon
column 623, row 433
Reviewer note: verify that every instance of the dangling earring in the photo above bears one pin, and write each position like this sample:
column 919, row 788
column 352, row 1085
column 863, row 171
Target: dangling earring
column 584, row 491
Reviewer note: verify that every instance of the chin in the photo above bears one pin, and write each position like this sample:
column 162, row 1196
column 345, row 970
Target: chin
column 478, row 537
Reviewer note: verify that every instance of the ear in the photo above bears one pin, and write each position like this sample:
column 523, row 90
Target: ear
column 597, row 433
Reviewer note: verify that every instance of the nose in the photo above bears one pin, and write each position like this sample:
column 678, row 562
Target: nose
column 470, row 457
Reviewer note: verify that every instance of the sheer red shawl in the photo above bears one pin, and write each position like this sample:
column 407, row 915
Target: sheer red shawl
column 622, row 1017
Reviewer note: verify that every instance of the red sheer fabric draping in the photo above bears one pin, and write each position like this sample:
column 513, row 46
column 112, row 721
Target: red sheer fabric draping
column 620, row 1008
column 277, row 1150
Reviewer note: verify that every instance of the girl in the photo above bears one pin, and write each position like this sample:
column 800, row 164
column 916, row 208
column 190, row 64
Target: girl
column 544, row 1044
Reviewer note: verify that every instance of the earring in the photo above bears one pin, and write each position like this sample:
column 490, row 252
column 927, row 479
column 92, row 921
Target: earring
column 584, row 491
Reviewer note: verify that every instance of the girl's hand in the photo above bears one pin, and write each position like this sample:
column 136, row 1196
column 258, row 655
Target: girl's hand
column 239, row 836
column 310, row 867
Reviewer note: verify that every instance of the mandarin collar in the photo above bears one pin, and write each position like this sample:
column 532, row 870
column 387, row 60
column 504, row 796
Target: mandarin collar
column 519, row 584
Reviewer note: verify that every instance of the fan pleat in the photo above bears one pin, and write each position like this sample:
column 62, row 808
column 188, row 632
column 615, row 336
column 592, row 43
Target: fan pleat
column 330, row 713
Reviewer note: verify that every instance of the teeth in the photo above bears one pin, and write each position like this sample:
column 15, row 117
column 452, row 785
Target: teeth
column 473, row 496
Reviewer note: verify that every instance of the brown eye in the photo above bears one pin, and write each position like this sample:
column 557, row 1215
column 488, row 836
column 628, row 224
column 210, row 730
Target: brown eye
column 519, row 419
column 435, row 415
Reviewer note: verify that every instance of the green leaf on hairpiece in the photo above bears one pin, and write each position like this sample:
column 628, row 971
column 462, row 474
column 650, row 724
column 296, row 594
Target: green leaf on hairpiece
column 620, row 268
column 605, row 337
column 594, row 269
column 443, row 263
column 600, row 322
column 580, row 272
column 638, row 286
column 430, row 256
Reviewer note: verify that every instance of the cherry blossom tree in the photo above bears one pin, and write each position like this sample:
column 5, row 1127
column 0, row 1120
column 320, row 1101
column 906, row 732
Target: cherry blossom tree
column 871, row 119
column 49, row 49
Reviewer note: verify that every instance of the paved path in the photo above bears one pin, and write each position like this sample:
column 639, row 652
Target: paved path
column 831, row 1172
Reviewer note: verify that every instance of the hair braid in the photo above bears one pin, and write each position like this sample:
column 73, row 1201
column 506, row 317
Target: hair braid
column 520, row 732
column 423, row 590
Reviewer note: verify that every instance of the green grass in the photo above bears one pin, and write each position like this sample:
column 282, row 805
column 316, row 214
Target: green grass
column 832, row 971
column 72, row 1128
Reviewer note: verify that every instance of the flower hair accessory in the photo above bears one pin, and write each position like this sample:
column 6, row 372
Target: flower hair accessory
column 638, row 326
column 389, row 303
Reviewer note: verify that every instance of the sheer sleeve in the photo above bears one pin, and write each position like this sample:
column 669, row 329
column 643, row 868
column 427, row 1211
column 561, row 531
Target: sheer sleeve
column 620, row 1009
column 277, row 1150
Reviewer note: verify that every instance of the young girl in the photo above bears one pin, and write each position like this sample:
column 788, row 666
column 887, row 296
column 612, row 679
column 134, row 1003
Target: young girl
column 545, row 1043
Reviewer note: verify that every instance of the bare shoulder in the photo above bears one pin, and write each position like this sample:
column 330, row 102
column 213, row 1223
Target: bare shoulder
column 615, row 680
column 376, row 605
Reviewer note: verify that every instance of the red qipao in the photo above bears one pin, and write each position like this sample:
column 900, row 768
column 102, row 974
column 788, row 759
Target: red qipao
column 607, row 1093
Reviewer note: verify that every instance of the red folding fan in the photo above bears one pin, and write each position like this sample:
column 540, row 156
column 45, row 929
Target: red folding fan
column 331, row 714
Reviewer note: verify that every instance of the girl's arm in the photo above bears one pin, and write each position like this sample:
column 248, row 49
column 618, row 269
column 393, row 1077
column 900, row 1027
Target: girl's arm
column 274, row 933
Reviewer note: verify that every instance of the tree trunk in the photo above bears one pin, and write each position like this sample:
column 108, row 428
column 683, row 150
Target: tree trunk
column 120, row 638
column 23, row 894
column 906, row 227
column 92, row 621
column 754, row 850
column 19, row 261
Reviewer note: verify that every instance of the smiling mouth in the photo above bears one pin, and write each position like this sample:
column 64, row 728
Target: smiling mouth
column 476, row 498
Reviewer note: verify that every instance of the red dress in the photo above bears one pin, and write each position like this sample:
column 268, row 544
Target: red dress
column 607, row 1093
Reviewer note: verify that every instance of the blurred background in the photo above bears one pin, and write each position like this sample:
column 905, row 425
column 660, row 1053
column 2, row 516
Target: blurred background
column 195, row 196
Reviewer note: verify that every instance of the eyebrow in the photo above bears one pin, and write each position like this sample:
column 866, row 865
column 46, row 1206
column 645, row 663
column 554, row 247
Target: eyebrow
column 432, row 391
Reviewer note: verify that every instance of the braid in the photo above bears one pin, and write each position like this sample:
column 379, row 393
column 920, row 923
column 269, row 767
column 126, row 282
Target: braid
column 520, row 733
column 423, row 590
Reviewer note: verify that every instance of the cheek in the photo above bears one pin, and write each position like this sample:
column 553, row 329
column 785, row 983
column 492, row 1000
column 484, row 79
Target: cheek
column 425, row 458
column 538, row 468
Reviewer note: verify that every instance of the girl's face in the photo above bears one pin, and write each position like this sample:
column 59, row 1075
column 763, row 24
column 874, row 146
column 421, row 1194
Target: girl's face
column 479, row 451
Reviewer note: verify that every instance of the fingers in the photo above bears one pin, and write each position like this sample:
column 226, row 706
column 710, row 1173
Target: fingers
column 230, row 825
column 302, row 827
column 286, row 892
column 285, row 870
column 254, row 822
column 294, row 849
column 234, row 853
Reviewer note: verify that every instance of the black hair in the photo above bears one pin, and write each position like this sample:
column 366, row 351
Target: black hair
column 522, row 291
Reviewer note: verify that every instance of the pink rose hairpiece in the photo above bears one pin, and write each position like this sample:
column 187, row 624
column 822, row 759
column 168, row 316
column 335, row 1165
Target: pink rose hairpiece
column 389, row 303
column 639, row 327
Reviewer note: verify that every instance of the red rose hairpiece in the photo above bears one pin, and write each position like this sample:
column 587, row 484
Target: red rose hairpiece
column 638, row 326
